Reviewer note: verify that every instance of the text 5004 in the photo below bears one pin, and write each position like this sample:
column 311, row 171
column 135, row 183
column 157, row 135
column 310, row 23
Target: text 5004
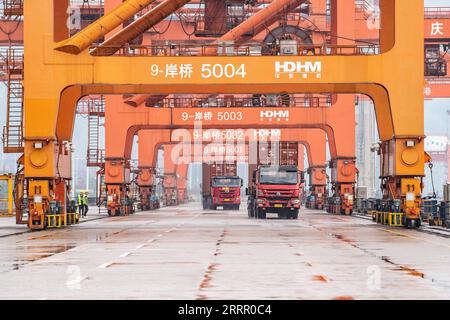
column 219, row 71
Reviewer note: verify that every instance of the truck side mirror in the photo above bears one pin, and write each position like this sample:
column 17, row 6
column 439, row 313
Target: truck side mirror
column 247, row 193
column 242, row 183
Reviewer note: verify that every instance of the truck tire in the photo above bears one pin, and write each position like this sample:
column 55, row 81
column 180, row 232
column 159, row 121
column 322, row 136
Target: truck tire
column 294, row 215
column 250, row 211
column 208, row 203
column 261, row 214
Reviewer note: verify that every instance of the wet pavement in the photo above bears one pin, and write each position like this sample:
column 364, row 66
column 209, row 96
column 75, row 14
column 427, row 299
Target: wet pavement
column 187, row 253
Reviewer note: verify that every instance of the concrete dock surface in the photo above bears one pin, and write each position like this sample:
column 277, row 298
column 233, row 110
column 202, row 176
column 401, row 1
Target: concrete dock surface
column 187, row 253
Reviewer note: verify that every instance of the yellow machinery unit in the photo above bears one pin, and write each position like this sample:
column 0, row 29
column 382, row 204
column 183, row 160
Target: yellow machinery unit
column 6, row 194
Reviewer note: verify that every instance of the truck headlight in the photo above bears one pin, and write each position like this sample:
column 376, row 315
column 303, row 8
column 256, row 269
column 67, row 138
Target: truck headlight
column 259, row 200
column 296, row 201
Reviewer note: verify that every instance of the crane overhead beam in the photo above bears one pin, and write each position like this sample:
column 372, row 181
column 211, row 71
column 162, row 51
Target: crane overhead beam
column 263, row 17
column 95, row 31
column 266, row 15
column 138, row 27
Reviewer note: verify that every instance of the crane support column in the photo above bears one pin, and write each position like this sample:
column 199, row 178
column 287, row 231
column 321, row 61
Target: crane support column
column 343, row 166
column 170, row 178
column 318, row 187
column 117, row 163
column 149, row 142
column 317, row 144
column 182, row 176
column 343, row 178
column 50, row 189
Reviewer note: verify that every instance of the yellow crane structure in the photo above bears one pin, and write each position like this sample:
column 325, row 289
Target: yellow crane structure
column 60, row 70
column 7, row 185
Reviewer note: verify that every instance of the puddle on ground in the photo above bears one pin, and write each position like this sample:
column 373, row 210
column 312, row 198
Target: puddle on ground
column 28, row 254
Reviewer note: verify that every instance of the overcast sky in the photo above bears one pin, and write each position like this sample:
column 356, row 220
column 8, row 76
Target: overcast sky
column 437, row 3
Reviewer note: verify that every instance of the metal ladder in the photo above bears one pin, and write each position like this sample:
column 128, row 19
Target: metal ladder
column 96, row 111
column 13, row 131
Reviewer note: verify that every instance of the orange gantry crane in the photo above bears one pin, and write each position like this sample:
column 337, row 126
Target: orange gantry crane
column 149, row 142
column 124, row 122
column 60, row 70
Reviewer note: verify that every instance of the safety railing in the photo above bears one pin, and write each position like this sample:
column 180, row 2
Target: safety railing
column 91, row 106
column 437, row 12
column 366, row 8
column 282, row 100
column 178, row 50
column 6, row 195
column 95, row 158
column 87, row 3
column 12, row 139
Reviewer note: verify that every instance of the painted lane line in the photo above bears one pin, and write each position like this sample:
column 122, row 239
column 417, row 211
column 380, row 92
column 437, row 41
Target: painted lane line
column 151, row 240
column 105, row 265
column 126, row 254
column 76, row 281
column 140, row 246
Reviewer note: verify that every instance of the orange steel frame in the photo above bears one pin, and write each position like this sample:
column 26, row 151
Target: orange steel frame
column 56, row 80
column 151, row 140
column 313, row 140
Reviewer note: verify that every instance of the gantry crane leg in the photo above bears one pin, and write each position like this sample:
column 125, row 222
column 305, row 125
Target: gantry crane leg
column 317, row 187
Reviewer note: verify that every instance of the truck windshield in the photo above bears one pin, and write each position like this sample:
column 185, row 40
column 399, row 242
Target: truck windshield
column 271, row 176
column 226, row 182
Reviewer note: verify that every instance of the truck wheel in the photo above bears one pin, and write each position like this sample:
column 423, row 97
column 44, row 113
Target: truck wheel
column 260, row 214
column 250, row 211
column 295, row 215
column 263, row 215
column 208, row 203
column 412, row 223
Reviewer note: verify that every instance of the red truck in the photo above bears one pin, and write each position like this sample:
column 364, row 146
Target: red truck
column 276, row 188
column 221, row 186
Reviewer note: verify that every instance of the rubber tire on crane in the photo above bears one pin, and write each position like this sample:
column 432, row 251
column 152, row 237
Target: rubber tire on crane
column 412, row 223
